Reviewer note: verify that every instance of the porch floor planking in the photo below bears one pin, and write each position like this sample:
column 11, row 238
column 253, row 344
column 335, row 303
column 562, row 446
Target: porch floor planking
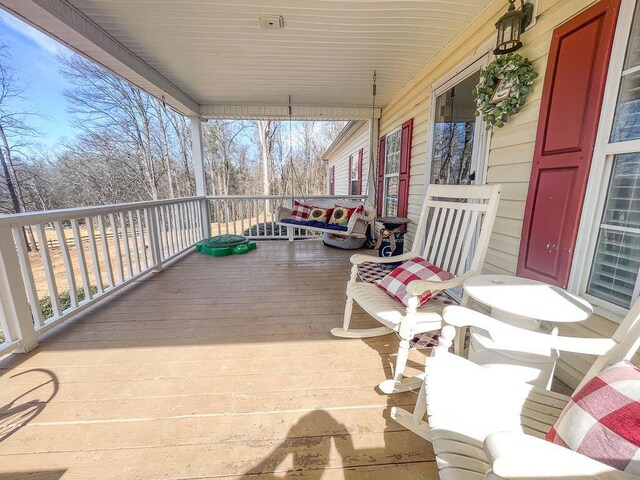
column 214, row 368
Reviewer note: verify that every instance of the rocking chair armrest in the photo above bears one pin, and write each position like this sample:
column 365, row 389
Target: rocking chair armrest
column 522, row 339
column 514, row 455
column 418, row 287
column 360, row 258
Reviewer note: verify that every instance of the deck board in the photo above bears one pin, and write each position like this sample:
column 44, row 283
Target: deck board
column 215, row 368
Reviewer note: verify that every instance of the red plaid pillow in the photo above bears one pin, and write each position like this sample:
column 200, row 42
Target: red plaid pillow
column 602, row 420
column 300, row 211
column 395, row 284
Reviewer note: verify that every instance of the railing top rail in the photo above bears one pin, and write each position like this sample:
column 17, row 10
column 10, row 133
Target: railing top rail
column 285, row 197
column 33, row 218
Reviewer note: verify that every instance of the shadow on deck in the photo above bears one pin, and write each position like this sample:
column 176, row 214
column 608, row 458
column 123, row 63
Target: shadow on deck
column 214, row 368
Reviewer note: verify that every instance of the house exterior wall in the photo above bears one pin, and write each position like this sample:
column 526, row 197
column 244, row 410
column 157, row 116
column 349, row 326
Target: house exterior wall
column 510, row 151
column 340, row 159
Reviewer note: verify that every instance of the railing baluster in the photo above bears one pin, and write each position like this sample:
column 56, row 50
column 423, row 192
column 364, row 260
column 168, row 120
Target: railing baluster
column 183, row 225
column 257, row 211
column 162, row 232
column 174, row 229
column 193, row 222
column 134, row 239
column 27, row 275
column 273, row 216
column 226, row 217
column 82, row 261
column 218, row 216
column 233, row 216
column 125, row 239
column 105, row 251
column 141, row 229
column 189, row 223
column 171, row 217
column 249, row 217
column 93, row 248
column 179, row 230
column 48, row 270
column 155, row 238
column 241, row 205
column 66, row 262
column 177, row 219
column 116, row 247
column 265, row 218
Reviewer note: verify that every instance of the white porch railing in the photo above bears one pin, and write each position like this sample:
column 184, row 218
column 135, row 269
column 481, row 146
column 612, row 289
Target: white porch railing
column 57, row 263
column 255, row 216
column 54, row 264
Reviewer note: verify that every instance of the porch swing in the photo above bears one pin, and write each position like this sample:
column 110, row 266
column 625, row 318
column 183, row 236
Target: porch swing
column 350, row 236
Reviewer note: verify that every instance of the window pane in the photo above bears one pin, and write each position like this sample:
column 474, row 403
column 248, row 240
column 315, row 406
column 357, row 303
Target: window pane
column 391, row 196
column 616, row 261
column 354, row 169
column 626, row 124
column 354, row 188
column 392, row 153
column 453, row 132
column 633, row 49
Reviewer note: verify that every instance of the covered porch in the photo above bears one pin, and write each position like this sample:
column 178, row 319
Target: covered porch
column 164, row 363
column 213, row 368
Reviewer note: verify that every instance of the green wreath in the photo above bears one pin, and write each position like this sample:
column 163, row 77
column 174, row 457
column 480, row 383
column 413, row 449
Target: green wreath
column 517, row 75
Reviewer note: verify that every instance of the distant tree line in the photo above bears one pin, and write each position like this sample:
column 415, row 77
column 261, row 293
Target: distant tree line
column 130, row 146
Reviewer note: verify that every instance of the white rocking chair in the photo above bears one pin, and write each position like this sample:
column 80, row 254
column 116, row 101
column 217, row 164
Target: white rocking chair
column 453, row 233
column 483, row 425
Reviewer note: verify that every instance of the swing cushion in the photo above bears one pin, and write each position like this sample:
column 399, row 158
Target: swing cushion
column 601, row 420
column 342, row 215
column 314, row 224
column 319, row 214
column 395, row 284
column 300, row 211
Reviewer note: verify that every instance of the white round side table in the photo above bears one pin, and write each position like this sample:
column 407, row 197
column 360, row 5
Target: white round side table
column 525, row 304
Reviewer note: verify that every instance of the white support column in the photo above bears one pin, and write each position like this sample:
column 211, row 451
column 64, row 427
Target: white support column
column 15, row 314
column 197, row 153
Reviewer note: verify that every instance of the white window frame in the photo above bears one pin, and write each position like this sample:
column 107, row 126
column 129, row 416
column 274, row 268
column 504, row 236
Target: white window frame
column 387, row 176
column 355, row 159
column 600, row 173
column 466, row 68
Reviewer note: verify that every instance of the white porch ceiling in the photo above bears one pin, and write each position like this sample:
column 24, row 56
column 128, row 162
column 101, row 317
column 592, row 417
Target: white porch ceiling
column 212, row 54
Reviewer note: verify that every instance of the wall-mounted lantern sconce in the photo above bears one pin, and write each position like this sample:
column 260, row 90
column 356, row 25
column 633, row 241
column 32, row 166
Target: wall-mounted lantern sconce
column 511, row 25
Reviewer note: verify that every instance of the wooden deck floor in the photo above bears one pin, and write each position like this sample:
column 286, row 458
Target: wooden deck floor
column 214, row 368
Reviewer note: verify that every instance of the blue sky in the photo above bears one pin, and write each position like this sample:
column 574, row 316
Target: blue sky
column 34, row 60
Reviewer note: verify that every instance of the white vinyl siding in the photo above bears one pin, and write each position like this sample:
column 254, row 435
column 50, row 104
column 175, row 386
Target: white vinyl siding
column 511, row 148
column 340, row 158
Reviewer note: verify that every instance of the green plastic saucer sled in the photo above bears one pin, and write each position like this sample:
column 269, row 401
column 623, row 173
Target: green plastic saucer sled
column 224, row 245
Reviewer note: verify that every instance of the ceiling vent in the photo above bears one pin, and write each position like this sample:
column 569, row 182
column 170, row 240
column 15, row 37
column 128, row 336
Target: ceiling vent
column 271, row 22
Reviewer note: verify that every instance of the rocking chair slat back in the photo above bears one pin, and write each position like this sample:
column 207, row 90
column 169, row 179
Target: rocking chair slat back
column 627, row 338
column 455, row 223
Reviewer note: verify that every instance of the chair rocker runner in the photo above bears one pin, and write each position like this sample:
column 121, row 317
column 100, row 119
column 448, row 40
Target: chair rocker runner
column 453, row 234
column 483, row 425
